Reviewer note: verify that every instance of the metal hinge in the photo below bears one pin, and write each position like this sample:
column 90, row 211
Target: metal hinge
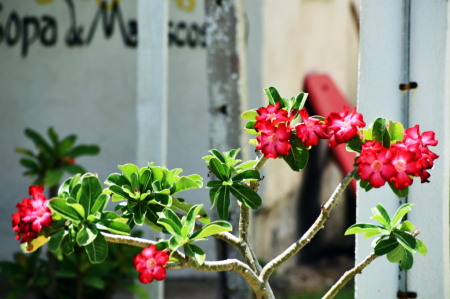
column 406, row 295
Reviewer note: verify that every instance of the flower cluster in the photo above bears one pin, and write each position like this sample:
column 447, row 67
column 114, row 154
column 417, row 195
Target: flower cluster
column 32, row 216
column 404, row 160
column 274, row 124
column 150, row 264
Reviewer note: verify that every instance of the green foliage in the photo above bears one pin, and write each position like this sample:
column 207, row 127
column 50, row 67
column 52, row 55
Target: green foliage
column 53, row 159
column 298, row 154
column 82, row 203
column 396, row 240
column 223, row 166
column 149, row 190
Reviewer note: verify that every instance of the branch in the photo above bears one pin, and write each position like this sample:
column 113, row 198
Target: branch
column 349, row 276
column 255, row 184
column 306, row 238
column 138, row 242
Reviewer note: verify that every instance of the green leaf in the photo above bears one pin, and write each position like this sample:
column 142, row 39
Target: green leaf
column 55, row 240
column 218, row 169
column 223, row 203
column 212, row 229
column 139, row 211
column 395, row 131
column 17, row 293
column 365, row 185
column 197, row 179
column 186, row 207
column 273, row 96
column 128, row 169
column 115, row 227
column 190, row 219
column 171, row 227
column 385, row 246
column 95, row 282
column 100, row 203
column 422, row 248
column 247, row 175
column 145, row 181
column 406, row 240
column 66, row 144
column 67, row 244
column 381, row 211
column 246, row 165
column 300, row 101
column 119, row 191
column 407, row 261
column 97, row 250
column 395, row 255
column 182, row 184
column 25, row 152
column 402, row 210
column 246, row 195
column 367, row 133
column 214, row 183
column 213, row 193
column 400, row 193
column 250, row 128
column 407, row 226
column 64, row 188
column 298, row 154
column 218, row 155
column 361, row 228
column 354, row 145
column 135, row 182
column 30, row 164
column 91, row 188
column 380, row 132
column 74, row 169
column 86, row 235
column 135, row 289
column 52, row 177
column 82, row 150
column 162, row 199
column 60, row 206
column 53, row 136
column 117, row 179
column 39, row 141
column 195, row 252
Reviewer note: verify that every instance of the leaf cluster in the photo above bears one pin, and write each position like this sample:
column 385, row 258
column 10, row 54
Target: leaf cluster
column 53, row 158
column 80, row 216
column 223, row 166
column 184, row 234
column 148, row 191
column 396, row 240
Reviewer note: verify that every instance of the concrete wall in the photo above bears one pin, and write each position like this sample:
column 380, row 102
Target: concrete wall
column 85, row 89
column 300, row 37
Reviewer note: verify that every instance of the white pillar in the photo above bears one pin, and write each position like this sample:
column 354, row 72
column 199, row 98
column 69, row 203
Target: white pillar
column 430, row 108
column 152, row 95
column 382, row 69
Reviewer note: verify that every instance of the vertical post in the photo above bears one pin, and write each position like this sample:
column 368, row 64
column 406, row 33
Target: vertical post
column 224, row 63
column 430, row 107
column 381, row 72
column 403, row 42
column 152, row 95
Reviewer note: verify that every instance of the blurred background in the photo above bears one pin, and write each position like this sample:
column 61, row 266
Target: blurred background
column 77, row 66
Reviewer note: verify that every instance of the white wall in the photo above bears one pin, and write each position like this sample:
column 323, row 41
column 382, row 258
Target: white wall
column 88, row 90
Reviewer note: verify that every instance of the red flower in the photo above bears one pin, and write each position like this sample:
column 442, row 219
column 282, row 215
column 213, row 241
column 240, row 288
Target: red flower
column 311, row 129
column 69, row 160
column 150, row 264
column 274, row 142
column 405, row 163
column 343, row 126
column 375, row 165
column 271, row 115
column 33, row 215
column 412, row 136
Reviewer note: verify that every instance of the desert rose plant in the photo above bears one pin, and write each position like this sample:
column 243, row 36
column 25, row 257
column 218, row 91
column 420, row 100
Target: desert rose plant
column 150, row 195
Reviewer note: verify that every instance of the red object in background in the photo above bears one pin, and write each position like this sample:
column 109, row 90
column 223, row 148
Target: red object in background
column 324, row 97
